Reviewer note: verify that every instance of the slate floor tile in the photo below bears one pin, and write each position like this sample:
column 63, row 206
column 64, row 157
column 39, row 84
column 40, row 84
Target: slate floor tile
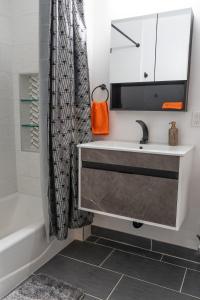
column 92, row 238
column 175, row 250
column 93, row 280
column 191, row 284
column 181, row 262
column 88, row 252
column 153, row 271
column 127, row 238
column 128, row 248
column 132, row 289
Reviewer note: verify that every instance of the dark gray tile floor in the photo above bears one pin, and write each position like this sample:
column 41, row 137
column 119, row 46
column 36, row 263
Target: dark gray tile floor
column 93, row 280
column 175, row 250
column 121, row 237
column 92, row 238
column 146, row 269
column 105, row 271
column 128, row 248
column 181, row 262
column 192, row 283
column 90, row 253
column 132, row 289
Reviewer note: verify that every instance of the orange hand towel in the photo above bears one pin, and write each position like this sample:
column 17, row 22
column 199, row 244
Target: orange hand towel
column 100, row 118
column 173, row 105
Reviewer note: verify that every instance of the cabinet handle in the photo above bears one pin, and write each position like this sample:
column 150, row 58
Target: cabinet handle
column 145, row 75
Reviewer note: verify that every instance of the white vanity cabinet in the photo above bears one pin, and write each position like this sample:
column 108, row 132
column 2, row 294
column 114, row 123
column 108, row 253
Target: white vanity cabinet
column 148, row 185
column 129, row 63
column 173, row 45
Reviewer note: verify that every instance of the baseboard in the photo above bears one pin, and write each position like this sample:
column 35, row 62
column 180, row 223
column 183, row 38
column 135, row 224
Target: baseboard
column 145, row 243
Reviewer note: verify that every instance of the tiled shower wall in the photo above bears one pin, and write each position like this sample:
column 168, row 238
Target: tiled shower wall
column 8, row 183
column 25, row 60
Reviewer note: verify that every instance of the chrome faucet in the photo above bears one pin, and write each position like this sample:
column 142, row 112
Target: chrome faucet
column 145, row 131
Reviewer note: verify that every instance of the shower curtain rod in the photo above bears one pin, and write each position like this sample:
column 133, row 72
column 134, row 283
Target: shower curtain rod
column 126, row 36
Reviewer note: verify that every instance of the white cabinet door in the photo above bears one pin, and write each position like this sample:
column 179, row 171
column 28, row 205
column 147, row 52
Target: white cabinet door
column 173, row 43
column 127, row 62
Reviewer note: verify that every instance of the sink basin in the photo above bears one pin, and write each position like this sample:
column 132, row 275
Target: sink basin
column 136, row 147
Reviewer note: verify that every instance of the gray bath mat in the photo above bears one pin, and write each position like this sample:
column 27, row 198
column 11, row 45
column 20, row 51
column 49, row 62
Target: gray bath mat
column 43, row 287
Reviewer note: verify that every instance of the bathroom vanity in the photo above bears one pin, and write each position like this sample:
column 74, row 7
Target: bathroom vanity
column 141, row 183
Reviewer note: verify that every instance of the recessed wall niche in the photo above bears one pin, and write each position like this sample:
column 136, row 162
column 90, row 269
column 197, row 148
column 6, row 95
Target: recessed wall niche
column 29, row 112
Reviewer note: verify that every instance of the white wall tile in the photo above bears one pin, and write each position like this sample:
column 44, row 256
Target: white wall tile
column 17, row 137
column 26, row 57
column 18, row 54
column 21, row 7
column 6, row 57
column 5, row 32
column 8, row 183
column 25, row 60
column 5, row 83
column 8, row 177
column 6, row 107
column 7, row 161
column 6, row 8
column 29, row 185
column 25, row 29
column 28, row 164
column 8, row 186
column 6, row 133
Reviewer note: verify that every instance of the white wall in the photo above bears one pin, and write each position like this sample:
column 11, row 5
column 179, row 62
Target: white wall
column 25, row 25
column 8, row 183
column 123, row 126
column 18, row 54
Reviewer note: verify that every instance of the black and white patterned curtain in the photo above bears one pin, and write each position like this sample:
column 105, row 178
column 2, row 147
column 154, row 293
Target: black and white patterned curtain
column 69, row 114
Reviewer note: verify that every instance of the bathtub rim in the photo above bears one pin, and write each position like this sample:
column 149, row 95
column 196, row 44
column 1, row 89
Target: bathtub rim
column 20, row 235
column 15, row 278
column 10, row 281
column 34, row 220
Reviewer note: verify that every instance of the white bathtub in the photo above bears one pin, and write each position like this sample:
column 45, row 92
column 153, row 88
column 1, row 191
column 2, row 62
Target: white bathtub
column 23, row 244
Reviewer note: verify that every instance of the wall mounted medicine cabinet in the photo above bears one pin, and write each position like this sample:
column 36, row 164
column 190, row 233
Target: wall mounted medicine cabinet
column 150, row 61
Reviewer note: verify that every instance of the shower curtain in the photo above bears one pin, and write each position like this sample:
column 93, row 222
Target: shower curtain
column 69, row 114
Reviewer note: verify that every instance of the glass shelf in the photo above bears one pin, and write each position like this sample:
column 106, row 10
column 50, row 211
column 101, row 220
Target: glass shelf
column 30, row 125
column 29, row 100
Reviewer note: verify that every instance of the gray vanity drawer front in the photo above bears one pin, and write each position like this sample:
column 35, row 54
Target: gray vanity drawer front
column 147, row 198
column 124, row 158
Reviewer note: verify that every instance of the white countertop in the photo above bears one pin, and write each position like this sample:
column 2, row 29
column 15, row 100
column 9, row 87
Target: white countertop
column 135, row 147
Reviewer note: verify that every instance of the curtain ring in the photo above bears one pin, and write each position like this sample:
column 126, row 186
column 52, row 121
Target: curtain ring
column 103, row 87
